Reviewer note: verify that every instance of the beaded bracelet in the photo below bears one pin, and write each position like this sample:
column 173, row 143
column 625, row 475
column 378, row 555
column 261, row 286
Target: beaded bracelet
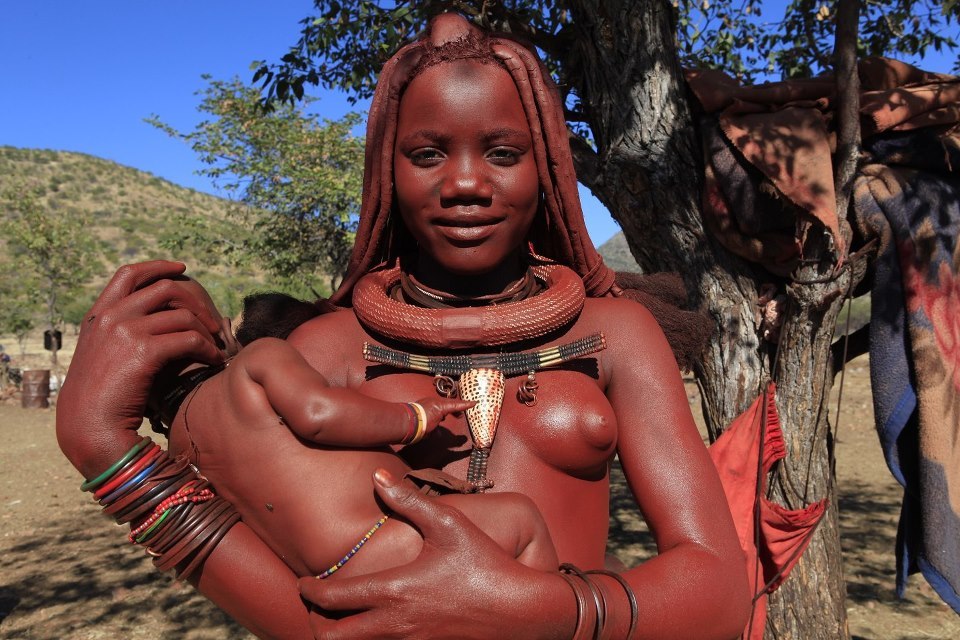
column 179, row 519
column 329, row 572
column 90, row 485
column 186, row 493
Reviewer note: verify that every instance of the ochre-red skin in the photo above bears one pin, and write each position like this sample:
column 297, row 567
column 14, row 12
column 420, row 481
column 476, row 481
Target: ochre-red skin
column 319, row 500
column 557, row 453
column 465, row 176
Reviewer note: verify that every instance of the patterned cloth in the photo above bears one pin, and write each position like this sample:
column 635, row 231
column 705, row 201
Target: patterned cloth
column 769, row 179
column 915, row 359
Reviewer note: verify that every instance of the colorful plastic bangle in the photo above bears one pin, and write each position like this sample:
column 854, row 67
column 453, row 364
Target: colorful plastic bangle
column 414, row 420
column 136, row 465
column 89, row 485
column 146, row 534
column 126, row 486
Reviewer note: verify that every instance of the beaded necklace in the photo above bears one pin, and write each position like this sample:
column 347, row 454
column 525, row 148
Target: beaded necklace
column 482, row 380
column 545, row 299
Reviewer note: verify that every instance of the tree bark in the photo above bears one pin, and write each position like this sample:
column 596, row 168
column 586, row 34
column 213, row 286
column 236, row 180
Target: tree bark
column 648, row 175
column 811, row 603
column 646, row 169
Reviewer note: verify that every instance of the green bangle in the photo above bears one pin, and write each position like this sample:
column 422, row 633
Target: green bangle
column 146, row 534
column 90, row 485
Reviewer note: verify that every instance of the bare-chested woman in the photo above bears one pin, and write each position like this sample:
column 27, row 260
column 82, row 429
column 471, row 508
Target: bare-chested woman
column 469, row 180
column 258, row 417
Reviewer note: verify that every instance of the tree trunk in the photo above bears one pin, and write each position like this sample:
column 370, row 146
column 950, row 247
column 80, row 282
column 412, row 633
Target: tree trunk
column 811, row 603
column 646, row 170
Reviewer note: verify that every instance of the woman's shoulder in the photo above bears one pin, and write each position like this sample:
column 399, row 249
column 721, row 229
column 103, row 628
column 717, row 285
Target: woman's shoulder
column 620, row 315
column 328, row 334
column 629, row 329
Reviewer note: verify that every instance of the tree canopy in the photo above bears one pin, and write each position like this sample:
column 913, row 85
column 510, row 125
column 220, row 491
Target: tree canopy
column 54, row 254
column 299, row 179
column 344, row 44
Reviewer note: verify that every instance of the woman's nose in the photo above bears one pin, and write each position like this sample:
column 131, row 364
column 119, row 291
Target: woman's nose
column 465, row 180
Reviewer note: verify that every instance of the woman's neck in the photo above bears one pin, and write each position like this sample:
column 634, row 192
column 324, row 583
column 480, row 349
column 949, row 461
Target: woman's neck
column 430, row 273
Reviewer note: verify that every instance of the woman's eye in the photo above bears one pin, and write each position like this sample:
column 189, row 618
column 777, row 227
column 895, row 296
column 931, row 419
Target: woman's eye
column 504, row 156
column 425, row 157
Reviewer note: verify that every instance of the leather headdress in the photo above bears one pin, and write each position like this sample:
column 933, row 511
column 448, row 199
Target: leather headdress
column 560, row 232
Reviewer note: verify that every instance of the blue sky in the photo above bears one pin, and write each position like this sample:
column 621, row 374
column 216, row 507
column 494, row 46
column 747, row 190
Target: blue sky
column 82, row 76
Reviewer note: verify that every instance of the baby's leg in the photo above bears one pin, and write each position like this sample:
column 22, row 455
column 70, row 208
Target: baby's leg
column 513, row 521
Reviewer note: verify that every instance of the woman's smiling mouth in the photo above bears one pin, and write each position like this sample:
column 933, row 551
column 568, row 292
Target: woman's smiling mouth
column 466, row 230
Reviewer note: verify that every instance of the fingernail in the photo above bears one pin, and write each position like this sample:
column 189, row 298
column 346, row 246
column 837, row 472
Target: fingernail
column 383, row 478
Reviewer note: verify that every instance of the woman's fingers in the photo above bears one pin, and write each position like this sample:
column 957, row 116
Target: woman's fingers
column 441, row 525
column 131, row 277
column 343, row 594
column 360, row 626
column 170, row 294
column 189, row 345
column 193, row 336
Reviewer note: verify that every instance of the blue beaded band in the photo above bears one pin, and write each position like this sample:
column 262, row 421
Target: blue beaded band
column 329, row 572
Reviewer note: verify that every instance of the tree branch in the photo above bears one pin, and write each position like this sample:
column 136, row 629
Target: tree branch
column 848, row 103
column 586, row 162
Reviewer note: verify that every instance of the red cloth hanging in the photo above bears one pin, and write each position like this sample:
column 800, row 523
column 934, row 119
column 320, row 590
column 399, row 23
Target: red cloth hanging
column 772, row 537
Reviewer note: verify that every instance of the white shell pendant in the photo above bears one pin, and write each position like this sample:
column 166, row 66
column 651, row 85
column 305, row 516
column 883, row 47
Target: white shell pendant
column 485, row 387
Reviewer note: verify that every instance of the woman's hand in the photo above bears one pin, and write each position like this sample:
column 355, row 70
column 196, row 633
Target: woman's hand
column 462, row 585
column 143, row 320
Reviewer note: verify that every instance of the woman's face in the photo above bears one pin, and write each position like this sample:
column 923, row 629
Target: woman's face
column 464, row 173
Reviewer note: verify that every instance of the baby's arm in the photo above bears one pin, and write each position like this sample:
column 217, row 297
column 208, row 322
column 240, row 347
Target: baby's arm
column 325, row 415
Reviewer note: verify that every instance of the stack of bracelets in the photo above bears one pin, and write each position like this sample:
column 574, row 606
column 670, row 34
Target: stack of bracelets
column 418, row 424
column 592, row 612
column 172, row 510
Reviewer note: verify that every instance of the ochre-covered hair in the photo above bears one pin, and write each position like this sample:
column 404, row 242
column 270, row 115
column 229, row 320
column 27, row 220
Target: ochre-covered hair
column 559, row 232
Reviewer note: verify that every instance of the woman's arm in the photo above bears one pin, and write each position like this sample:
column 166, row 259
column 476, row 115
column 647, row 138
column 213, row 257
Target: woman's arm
column 142, row 321
column 245, row 578
column 697, row 585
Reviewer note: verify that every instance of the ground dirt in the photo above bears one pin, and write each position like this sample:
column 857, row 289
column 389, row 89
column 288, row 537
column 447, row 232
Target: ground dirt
column 67, row 573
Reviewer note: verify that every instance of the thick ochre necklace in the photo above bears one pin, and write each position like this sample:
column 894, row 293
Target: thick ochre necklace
column 492, row 325
column 510, row 317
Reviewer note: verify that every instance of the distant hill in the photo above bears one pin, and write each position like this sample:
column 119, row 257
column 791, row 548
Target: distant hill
column 617, row 254
column 133, row 214
column 136, row 216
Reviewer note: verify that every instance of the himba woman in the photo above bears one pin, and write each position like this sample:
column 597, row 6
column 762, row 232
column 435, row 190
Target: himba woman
column 471, row 243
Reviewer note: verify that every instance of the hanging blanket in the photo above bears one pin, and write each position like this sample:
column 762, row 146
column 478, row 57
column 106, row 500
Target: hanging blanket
column 768, row 173
column 769, row 179
column 915, row 353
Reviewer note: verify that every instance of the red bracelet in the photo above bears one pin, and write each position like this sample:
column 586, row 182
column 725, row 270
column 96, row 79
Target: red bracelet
column 414, row 421
column 184, row 495
column 150, row 454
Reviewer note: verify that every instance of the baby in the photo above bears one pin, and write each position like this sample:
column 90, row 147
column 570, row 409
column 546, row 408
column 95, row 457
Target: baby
column 296, row 458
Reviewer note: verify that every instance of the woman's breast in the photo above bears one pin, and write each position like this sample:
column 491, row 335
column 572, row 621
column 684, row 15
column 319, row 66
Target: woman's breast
column 571, row 427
